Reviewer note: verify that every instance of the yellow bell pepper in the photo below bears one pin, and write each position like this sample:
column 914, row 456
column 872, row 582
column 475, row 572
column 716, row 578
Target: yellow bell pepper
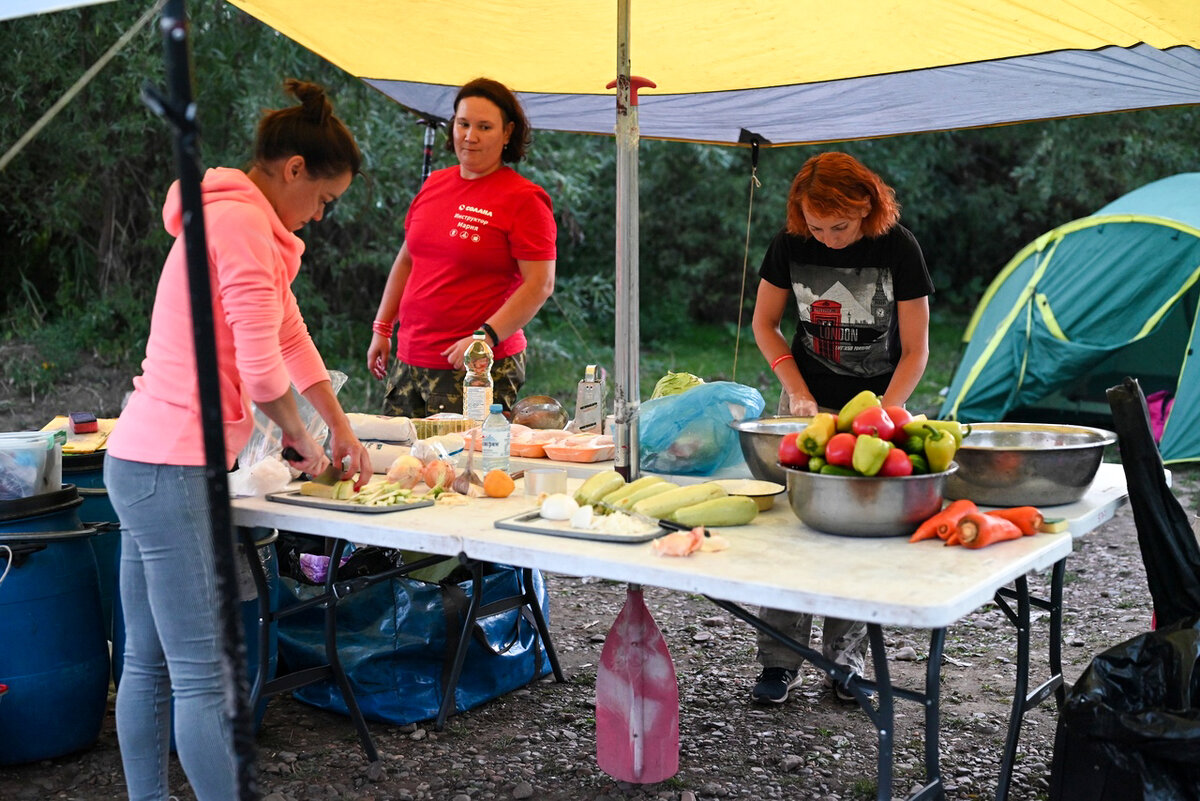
column 813, row 436
column 863, row 400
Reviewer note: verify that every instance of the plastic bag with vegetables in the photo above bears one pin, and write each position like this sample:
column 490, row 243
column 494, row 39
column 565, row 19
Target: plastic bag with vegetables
column 689, row 434
column 675, row 384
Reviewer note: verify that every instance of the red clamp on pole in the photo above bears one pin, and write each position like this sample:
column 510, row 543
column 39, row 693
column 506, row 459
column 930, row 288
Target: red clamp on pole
column 636, row 82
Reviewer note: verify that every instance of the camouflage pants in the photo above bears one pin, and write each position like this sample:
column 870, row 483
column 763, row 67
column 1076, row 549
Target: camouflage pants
column 422, row 391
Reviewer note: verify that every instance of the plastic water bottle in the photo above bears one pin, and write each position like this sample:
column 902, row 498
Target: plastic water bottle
column 497, row 434
column 477, row 383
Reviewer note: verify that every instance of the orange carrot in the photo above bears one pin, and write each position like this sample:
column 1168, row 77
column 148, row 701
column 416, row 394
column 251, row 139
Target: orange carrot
column 943, row 523
column 1028, row 518
column 977, row 530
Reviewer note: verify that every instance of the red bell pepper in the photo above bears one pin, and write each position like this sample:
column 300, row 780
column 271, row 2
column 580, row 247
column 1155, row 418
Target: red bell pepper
column 840, row 450
column 896, row 463
column 874, row 421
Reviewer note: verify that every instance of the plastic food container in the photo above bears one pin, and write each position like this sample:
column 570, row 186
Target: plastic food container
column 30, row 463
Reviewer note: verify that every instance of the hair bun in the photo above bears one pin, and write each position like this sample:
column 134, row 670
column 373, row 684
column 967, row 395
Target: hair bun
column 317, row 107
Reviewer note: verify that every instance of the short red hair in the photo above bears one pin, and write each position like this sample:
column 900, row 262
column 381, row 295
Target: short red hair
column 837, row 184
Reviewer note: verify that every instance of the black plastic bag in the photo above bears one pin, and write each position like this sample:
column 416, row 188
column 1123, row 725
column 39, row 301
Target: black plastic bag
column 1169, row 549
column 1140, row 703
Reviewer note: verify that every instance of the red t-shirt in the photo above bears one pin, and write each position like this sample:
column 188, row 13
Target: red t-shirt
column 465, row 238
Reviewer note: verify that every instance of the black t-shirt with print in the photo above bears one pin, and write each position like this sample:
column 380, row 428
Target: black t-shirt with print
column 848, row 337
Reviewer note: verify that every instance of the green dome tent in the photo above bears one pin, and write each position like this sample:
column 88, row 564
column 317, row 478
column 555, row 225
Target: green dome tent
column 1086, row 304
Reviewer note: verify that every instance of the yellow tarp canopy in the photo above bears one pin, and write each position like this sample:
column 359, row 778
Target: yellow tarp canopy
column 793, row 71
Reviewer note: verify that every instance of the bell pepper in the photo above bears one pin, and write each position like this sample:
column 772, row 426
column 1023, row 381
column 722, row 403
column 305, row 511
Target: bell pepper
column 955, row 428
column 840, row 450
column 914, row 443
column 816, row 463
column 790, row 453
column 900, row 416
column 896, row 464
column 939, row 449
column 869, row 454
column 874, row 421
column 863, row 400
column 920, row 465
column 838, row 470
column 817, row 433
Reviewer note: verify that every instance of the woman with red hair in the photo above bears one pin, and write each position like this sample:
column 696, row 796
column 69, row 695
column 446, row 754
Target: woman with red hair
column 860, row 286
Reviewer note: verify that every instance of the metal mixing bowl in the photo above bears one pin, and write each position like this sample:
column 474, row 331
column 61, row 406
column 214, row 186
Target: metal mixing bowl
column 1035, row 464
column 860, row 506
column 760, row 444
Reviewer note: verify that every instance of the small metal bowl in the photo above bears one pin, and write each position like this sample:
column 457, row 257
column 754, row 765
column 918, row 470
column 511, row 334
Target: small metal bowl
column 760, row 444
column 860, row 506
column 762, row 492
column 1034, row 464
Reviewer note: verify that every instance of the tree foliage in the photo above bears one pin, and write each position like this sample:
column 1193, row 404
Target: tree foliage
column 80, row 214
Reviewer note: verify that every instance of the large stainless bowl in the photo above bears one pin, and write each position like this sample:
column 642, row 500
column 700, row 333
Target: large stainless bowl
column 1035, row 464
column 760, row 444
column 858, row 506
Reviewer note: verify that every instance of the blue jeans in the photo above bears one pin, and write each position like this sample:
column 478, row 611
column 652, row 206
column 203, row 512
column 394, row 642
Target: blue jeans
column 173, row 641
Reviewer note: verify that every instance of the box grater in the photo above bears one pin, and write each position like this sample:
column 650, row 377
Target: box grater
column 589, row 401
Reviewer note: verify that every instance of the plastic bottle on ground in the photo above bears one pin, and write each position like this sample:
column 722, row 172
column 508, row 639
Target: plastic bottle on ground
column 496, row 439
column 477, row 383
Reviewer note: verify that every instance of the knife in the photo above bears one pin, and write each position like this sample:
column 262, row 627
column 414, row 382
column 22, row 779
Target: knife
column 329, row 476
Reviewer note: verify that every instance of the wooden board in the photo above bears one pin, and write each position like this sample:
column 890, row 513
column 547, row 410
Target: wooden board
column 534, row 523
column 294, row 497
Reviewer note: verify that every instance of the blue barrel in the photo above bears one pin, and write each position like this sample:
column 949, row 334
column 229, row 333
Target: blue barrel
column 53, row 649
column 250, row 625
column 86, row 472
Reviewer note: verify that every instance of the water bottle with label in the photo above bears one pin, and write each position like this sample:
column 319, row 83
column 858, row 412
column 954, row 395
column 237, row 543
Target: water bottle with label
column 477, row 383
column 496, row 439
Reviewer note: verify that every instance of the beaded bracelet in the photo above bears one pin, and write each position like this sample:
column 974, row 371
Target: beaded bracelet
column 780, row 360
column 384, row 328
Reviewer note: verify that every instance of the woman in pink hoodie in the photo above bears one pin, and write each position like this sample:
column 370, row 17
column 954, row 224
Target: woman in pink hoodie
column 304, row 159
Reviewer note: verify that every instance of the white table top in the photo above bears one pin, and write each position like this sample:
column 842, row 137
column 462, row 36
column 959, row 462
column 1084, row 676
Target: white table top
column 776, row 560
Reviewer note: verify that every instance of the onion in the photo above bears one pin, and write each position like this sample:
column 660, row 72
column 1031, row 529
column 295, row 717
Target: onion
column 558, row 506
column 405, row 471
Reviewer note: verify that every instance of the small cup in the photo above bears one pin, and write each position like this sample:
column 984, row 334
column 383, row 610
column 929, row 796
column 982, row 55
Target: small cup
column 548, row 480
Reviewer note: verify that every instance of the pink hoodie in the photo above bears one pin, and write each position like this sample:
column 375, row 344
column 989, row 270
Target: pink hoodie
column 262, row 342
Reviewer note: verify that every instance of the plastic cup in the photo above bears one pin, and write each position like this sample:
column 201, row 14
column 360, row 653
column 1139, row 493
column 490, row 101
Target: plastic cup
column 548, row 480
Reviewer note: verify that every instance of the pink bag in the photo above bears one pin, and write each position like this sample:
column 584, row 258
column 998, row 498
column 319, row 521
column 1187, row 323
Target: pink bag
column 1159, row 404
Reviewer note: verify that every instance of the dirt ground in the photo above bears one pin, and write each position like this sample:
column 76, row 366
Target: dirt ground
column 539, row 742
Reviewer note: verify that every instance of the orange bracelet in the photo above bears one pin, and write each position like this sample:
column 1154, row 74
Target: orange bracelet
column 780, row 360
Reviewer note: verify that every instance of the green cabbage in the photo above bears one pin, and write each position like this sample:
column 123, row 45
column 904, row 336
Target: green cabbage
column 675, row 384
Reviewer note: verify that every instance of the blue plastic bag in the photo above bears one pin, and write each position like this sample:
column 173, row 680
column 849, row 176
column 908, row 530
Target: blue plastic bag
column 689, row 434
column 396, row 650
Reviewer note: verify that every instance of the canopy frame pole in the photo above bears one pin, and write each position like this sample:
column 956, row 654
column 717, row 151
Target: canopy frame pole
column 627, row 333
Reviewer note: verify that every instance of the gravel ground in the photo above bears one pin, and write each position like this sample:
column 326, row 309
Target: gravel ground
column 539, row 742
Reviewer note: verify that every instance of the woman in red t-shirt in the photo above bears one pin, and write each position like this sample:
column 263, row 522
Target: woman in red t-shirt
column 478, row 253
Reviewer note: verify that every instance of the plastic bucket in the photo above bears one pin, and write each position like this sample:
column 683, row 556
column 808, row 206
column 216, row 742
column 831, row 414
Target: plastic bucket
column 54, row 659
column 86, row 472
column 250, row 624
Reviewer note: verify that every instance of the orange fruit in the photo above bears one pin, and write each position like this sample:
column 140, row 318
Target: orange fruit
column 498, row 484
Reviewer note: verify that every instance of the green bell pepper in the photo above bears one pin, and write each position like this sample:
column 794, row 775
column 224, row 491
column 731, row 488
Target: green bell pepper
column 869, row 453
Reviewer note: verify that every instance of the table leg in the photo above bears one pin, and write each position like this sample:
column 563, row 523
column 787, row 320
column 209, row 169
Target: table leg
column 1025, row 699
column 527, row 599
column 882, row 717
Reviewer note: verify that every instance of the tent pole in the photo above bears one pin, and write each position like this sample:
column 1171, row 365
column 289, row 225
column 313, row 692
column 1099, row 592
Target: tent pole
column 180, row 111
column 626, row 334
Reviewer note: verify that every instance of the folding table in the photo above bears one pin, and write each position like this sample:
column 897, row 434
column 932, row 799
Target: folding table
column 779, row 562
